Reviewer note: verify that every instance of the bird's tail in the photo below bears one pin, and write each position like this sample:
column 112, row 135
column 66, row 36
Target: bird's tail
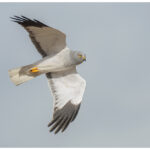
column 22, row 74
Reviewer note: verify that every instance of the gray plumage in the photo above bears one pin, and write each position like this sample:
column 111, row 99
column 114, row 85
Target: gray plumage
column 59, row 64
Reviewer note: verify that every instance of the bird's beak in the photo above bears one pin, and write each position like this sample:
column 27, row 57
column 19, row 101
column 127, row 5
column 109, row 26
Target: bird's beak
column 84, row 58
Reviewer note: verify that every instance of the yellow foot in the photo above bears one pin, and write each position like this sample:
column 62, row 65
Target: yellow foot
column 35, row 69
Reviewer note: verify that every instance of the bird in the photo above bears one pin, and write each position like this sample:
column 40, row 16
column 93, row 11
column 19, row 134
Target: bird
column 58, row 63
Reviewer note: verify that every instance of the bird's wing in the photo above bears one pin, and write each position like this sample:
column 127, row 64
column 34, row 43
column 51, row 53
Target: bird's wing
column 47, row 40
column 67, row 88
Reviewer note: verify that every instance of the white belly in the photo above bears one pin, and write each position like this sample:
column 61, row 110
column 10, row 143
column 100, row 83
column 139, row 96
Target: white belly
column 55, row 63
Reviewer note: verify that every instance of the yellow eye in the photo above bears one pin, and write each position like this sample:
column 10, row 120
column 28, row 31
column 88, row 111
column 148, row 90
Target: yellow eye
column 80, row 55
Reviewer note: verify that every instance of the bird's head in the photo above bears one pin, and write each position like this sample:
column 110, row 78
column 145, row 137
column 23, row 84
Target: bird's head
column 79, row 57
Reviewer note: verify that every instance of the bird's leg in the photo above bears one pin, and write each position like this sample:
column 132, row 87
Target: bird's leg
column 35, row 69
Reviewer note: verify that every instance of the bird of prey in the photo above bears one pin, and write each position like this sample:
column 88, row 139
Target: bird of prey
column 58, row 63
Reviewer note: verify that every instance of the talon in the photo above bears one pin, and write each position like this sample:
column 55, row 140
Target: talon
column 35, row 69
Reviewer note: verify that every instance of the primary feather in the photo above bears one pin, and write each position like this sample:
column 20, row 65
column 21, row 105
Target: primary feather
column 59, row 65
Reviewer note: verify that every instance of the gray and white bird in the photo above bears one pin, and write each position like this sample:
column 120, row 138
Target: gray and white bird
column 59, row 64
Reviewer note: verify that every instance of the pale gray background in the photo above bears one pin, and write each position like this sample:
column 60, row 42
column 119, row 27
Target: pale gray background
column 116, row 107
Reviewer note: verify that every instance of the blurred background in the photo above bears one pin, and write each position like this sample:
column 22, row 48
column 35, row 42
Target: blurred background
column 115, row 111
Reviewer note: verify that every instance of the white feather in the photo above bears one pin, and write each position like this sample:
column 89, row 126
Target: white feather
column 16, row 78
column 67, row 86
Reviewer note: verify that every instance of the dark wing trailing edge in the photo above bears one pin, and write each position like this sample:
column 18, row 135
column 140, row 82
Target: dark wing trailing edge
column 50, row 41
column 62, row 117
column 24, row 21
column 47, row 40
column 67, row 88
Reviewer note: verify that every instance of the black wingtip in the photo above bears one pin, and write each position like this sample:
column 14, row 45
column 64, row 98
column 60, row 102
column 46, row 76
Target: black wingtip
column 63, row 117
column 24, row 21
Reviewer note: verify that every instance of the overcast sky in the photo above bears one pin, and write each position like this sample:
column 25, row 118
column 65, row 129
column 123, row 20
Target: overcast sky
column 115, row 111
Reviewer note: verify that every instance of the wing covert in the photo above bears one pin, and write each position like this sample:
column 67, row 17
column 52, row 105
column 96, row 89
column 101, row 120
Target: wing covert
column 67, row 88
column 47, row 40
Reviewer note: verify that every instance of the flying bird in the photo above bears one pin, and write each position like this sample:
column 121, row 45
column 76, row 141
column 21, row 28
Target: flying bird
column 58, row 63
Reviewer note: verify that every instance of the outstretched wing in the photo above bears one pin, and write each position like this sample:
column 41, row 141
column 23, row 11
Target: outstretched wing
column 67, row 88
column 47, row 40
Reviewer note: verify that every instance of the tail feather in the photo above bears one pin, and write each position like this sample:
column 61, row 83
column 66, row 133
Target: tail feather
column 18, row 78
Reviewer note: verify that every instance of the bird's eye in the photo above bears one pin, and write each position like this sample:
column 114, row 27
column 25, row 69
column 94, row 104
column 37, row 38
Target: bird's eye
column 80, row 55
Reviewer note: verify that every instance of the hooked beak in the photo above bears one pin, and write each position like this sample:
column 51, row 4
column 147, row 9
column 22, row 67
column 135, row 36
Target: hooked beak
column 84, row 58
